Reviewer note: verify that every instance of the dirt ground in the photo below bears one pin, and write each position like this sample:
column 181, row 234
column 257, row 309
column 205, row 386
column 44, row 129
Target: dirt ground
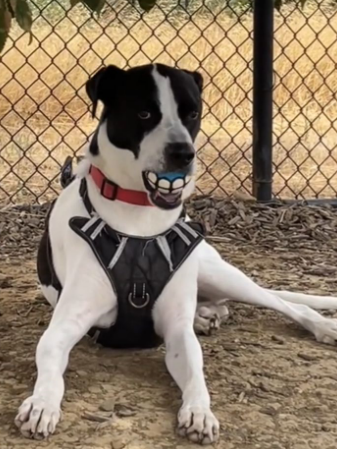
column 272, row 385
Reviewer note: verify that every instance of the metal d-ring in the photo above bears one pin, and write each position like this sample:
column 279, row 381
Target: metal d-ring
column 146, row 296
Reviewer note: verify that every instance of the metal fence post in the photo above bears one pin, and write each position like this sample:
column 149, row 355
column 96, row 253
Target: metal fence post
column 263, row 99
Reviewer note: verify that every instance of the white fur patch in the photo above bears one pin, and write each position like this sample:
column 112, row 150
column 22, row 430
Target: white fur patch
column 82, row 168
column 169, row 108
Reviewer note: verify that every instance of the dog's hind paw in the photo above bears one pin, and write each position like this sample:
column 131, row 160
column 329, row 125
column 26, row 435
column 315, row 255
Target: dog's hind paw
column 326, row 331
column 198, row 424
column 37, row 418
column 209, row 317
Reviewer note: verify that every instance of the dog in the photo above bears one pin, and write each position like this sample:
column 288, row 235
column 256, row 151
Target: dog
column 121, row 261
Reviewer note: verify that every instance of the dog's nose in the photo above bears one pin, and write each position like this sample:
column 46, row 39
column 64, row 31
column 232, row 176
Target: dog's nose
column 179, row 154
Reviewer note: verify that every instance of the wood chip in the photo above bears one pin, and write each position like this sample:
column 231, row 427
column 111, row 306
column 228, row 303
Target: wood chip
column 97, row 417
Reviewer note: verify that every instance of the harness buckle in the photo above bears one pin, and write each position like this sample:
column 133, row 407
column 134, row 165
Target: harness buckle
column 133, row 295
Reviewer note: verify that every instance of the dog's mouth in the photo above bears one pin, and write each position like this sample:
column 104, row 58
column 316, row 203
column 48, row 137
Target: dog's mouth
column 165, row 189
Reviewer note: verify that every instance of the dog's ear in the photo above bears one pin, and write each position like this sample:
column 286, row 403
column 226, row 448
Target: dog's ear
column 101, row 85
column 199, row 80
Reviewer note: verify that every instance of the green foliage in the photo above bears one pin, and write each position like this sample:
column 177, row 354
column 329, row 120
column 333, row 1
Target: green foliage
column 5, row 23
column 241, row 6
column 20, row 11
column 23, row 16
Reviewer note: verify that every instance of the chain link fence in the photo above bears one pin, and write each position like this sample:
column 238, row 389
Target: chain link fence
column 44, row 112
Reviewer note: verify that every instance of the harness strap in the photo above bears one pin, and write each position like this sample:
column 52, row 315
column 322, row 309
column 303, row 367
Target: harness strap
column 118, row 253
column 166, row 250
column 97, row 230
column 183, row 237
column 85, row 197
column 91, row 222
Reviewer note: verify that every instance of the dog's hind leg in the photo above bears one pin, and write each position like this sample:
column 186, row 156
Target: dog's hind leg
column 173, row 316
column 313, row 301
column 218, row 279
column 210, row 315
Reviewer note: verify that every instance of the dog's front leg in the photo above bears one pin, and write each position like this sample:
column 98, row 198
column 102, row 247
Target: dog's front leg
column 218, row 279
column 174, row 315
column 81, row 305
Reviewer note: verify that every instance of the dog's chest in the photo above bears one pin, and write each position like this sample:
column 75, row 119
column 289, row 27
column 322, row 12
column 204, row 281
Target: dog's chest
column 138, row 269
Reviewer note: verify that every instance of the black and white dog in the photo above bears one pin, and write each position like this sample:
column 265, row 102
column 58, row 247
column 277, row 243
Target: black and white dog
column 119, row 260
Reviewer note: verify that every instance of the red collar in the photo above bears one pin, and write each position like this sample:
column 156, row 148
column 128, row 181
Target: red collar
column 112, row 191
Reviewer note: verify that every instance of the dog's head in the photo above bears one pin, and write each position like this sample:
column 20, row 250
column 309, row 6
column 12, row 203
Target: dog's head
column 150, row 119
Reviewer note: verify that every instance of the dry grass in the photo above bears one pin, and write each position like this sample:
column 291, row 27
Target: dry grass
column 54, row 105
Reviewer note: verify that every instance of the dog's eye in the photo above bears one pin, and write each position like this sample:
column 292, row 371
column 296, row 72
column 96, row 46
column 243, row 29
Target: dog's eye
column 144, row 115
column 193, row 115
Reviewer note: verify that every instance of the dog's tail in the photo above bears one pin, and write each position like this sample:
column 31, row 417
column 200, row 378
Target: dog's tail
column 313, row 301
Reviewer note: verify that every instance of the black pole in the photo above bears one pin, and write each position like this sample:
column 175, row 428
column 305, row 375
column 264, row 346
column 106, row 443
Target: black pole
column 263, row 99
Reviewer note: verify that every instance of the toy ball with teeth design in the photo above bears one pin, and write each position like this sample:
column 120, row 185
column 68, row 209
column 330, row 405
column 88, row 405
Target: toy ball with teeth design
column 165, row 189
column 167, row 182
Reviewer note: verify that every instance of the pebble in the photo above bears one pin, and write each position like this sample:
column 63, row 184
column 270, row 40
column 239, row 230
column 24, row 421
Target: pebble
column 278, row 339
column 108, row 406
column 263, row 386
column 124, row 411
column 308, row 357
column 119, row 443
column 271, row 409
column 94, row 390
column 102, row 377
column 69, row 438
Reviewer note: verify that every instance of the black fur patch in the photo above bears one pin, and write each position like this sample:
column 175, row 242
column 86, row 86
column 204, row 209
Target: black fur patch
column 45, row 267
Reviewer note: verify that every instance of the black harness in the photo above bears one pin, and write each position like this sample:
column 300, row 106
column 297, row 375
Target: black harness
column 138, row 269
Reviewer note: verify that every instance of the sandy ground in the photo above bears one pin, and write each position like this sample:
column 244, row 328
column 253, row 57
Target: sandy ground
column 272, row 385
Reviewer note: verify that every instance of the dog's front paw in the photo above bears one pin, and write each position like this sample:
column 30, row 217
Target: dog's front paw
column 198, row 424
column 326, row 331
column 37, row 418
column 209, row 317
